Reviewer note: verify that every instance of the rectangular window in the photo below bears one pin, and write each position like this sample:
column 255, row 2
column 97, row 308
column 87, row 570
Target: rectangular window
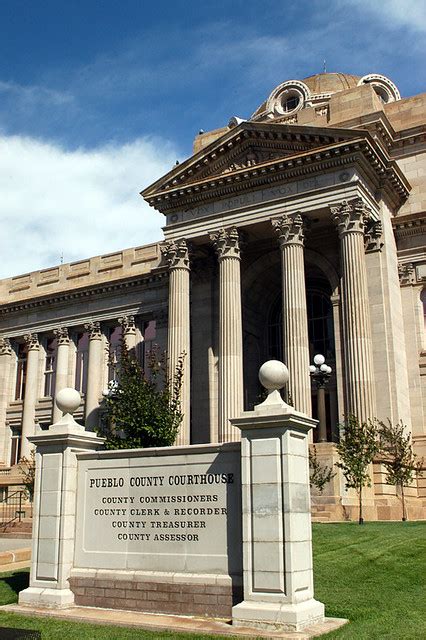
column 82, row 356
column 21, row 372
column 15, row 449
column 50, row 367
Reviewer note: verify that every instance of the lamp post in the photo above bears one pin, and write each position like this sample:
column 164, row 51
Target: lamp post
column 320, row 374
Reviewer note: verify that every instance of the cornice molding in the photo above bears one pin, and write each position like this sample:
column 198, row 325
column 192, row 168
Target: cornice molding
column 410, row 225
column 153, row 279
column 360, row 150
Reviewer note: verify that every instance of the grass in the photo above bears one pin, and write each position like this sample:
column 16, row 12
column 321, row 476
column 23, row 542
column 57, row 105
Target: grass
column 372, row 574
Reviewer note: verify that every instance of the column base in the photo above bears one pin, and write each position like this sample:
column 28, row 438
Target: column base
column 276, row 616
column 48, row 598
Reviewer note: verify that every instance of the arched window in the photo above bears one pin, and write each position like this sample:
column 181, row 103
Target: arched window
column 320, row 323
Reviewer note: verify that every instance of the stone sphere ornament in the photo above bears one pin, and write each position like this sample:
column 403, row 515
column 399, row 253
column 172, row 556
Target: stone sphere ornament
column 68, row 400
column 273, row 375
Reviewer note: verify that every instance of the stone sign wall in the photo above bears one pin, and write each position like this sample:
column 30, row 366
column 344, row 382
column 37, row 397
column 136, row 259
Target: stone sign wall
column 170, row 510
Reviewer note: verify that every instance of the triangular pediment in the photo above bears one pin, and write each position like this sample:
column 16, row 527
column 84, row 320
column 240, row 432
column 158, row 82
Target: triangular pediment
column 245, row 146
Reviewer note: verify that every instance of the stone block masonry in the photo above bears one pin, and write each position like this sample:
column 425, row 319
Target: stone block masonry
column 160, row 593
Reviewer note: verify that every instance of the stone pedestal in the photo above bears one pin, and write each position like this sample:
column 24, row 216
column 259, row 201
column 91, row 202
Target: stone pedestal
column 277, row 546
column 55, row 506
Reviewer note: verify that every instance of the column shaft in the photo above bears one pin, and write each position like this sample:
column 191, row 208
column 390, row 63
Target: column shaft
column 350, row 218
column 178, row 342
column 231, row 387
column 62, row 362
column 94, row 374
column 5, row 365
column 295, row 317
column 31, row 393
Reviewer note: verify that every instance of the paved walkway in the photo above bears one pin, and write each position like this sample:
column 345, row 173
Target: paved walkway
column 157, row 622
column 10, row 544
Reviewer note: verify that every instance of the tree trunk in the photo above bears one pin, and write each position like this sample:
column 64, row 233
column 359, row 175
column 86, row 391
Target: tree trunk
column 404, row 510
column 361, row 519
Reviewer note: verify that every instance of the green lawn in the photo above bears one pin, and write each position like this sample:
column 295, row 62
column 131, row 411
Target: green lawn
column 372, row 574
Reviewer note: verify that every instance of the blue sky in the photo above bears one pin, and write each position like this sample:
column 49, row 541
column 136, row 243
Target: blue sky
column 99, row 98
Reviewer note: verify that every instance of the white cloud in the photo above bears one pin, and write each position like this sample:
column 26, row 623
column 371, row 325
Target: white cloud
column 79, row 203
column 395, row 13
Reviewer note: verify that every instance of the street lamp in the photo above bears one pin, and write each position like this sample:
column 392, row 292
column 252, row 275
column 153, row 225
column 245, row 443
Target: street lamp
column 320, row 374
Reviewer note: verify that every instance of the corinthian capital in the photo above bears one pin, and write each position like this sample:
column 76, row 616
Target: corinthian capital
column 175, row 254
column 350, row 216
column 5, row 347
column 31, row 341
column 61, row 334
column 290, row 229
column 127, row 324
column 94, row 330
column 226, row 243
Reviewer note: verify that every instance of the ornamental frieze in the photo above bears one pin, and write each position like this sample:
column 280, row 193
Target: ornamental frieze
column 226, row 243
column 127, row 324
column 290, row 229
column 407, row 274
column 350, row 216
column 373, row 236
column 5, row 347
column 94, row 330
column 176, row 254
column 31, row 341
column 62, row 336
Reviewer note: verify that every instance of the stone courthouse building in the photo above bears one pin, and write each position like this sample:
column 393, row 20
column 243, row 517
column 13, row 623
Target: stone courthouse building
column 295, row 232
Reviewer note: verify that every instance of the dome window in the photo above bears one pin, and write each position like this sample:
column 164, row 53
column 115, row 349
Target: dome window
column 383, row 87
column 287, row 98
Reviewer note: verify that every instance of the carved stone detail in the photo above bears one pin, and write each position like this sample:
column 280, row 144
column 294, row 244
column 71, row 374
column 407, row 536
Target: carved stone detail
column 373, row 236
column 94, row 330
column 5, row 347
column 290, row 229
column 31, row 341
column 62, row 336
column 176, row 254
column 127, row 324
column 226, row 243
column 350, row 216
column 407, row 273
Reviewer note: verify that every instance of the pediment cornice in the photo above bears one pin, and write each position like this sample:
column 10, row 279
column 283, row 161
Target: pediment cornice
column 235, row 150
column 358, row 149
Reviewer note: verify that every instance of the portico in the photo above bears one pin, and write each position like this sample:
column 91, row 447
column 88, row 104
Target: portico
column 310, row 231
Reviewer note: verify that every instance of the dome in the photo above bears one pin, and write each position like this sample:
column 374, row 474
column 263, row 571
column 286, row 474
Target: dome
column 331, row 82
column 292, row 95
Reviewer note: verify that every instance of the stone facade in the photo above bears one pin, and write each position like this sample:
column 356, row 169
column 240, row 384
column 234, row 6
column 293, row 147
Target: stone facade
column 297, row 231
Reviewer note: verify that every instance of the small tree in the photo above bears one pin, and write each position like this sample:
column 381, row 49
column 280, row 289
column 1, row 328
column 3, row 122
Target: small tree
column 142, row 408
column 27, row 468
column 399, row 460
column 357, row 447
column 319, row 474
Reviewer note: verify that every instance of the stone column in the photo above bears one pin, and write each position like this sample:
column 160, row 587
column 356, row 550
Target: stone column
column 290, row 231
column 55, row 506
column 128, row 328
column 350, row 218
column 176, row 256
column 31, row 392
column 62, row 362
column 231, row 391
column 277, row 536
column 94, row 373
column 5, row 363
